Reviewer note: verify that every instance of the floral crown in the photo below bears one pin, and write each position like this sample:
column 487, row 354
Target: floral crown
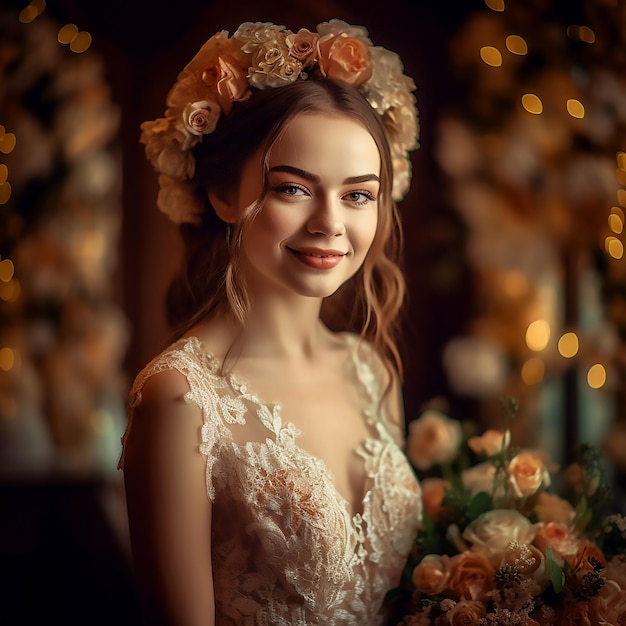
column 262, row 55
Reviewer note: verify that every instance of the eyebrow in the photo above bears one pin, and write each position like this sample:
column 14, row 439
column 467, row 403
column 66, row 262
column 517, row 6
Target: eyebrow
column 351, row 180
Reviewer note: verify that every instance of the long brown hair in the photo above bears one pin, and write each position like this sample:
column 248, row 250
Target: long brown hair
column 209, row 282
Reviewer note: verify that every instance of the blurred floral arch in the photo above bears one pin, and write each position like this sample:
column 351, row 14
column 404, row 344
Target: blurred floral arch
column 534, row 159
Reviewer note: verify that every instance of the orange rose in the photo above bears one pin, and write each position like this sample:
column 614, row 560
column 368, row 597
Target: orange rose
column 557, row 537
column 609, row 607
column 465, row 613
column 580, row 559
column 228, row 80
column 432, row 574
column 433, row 491
column 491, row 442
column 527, row 474
column 345, row 58
column 471, row 577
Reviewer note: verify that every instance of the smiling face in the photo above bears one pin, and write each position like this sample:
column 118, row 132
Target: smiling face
column 318, row 218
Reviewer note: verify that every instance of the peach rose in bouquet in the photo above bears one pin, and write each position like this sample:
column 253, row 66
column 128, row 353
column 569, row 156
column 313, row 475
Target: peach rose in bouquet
column 498, row 545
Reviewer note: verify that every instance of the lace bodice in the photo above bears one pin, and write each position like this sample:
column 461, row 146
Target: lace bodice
column 286, row 548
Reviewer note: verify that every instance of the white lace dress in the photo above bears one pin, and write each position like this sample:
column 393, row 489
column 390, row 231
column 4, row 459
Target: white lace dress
column 287, row 550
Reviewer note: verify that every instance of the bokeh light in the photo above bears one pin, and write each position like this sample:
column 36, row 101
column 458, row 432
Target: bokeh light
column 596, row 376
column 568, row 345
column 532, row 103
column 575, row 108
column 533, row 371
column 516, row 45
column 538, row 335
column 491, row 56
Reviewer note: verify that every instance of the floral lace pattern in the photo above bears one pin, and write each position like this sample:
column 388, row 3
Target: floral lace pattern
column 286, row 548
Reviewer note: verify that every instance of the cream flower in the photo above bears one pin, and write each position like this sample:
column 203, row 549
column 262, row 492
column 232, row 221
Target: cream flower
column 479, row 477
column 165, row 149
column 433, row 438
column 200, row 118
column 491, row 533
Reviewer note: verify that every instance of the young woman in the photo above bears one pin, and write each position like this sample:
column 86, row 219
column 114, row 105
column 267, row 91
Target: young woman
column 263, row 465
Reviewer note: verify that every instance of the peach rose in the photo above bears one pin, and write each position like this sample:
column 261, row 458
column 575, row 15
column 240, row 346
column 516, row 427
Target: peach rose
column 228, row 80
column 609, row 606
column 433, row 438
column 527, row 474
column 345, row 58
column 471, row 576
column 551, row 508
column 177, row 200
column 491, row 533
column 432, row 574
column 490, row 443
column 433, row 491
column 558, row 538
column 466, row 613
column 303, row 46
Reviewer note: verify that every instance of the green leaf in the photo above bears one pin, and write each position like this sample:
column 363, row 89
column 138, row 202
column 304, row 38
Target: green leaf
column 555, row 571
column 479, row 504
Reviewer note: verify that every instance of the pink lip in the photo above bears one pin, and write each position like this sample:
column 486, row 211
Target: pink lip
column 318, row 258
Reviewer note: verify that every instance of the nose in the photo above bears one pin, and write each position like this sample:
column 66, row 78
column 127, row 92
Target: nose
column 326, row 219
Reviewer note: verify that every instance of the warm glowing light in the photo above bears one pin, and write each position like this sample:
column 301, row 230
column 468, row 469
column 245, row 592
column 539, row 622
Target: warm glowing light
column 495, row 5
column 568, row 345
column 621, row 177
column 10, row 292
column 596, row 376
column 28, row 14
column 533, row 371
column 7, row 269
column 67, row 33
column 4, row 173
column 5, row 192
column 586, row 34
column 538, row 335
column 532, row 103
column 81, row 42
column 575, row 108
column 7, row 143
column 614, row 247
column 491, row 56
column 616, row 224
column 621, row 160
column 621, row 197
column 581, row 33
column 516, row 44
column 7, row 359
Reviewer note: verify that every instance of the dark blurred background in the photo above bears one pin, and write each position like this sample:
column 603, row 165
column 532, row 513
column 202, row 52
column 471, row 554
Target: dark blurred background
column 513, row 232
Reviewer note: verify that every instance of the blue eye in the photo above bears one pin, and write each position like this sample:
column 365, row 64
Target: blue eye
column 290, row 189
column 360, row 197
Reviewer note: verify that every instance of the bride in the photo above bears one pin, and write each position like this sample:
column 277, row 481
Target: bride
column 265, row 478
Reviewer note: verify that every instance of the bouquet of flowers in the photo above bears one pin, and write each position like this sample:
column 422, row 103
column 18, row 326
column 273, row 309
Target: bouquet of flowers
column 497, row 546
